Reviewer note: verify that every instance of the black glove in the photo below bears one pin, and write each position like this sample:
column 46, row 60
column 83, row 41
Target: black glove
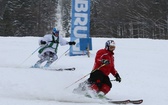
column 72, row 43
column 104, row 61
column 42, row 42
column 118, row 78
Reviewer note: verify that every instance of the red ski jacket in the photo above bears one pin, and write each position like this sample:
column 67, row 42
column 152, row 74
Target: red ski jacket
column 108, row 55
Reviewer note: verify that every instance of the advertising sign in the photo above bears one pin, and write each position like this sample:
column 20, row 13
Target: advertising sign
column 80, row 24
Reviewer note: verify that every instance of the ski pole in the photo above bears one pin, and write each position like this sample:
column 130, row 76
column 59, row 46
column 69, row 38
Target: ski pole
column 30, row 55
column 85, row 76
column 113, row 80
column 63, row 54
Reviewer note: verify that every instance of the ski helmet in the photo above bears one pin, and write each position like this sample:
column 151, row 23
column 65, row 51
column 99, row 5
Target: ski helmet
column 109, row 43
column 55, row 31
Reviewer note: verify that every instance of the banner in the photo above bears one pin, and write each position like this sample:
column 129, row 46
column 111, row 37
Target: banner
column 80, row 24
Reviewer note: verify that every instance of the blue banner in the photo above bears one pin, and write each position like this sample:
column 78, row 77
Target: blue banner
column 80, row 24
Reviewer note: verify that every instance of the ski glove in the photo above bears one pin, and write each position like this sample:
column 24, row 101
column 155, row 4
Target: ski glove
column 72, row 43
column 104, row 61
column 43, row 43
column 118, row 78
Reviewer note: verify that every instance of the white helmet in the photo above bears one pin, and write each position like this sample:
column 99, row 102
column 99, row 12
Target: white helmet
column 109, row 43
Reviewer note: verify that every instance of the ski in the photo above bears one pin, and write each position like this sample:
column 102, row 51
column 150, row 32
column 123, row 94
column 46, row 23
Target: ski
column 126, row 101
column 109, row 100
column 56, row 69
column 119, row 102
column 61, row 69
column 136, row 101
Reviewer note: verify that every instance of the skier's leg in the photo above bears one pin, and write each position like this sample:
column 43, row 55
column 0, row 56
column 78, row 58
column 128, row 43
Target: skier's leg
column 82, row 88
column 95, row 83
column 43, row 57
column 52, row 57
column 106, row 85
column 95, row 80
column 105, row 89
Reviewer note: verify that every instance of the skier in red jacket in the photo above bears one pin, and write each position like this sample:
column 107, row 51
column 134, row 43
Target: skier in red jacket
column 104, row 65
column 99, row 82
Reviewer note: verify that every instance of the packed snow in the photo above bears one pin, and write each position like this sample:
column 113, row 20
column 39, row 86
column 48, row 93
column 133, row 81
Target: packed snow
column 141, row 63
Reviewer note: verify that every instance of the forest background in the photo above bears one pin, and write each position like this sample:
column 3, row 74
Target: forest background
column 109, row 18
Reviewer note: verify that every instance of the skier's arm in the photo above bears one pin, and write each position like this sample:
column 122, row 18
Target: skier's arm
column 115, row 73
column 118, row 78
column 98, row 58
column 101, row 58
column 44, row 40
column 62, row 41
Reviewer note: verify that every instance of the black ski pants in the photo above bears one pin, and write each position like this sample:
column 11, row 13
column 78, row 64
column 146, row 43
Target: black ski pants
column 99, row 78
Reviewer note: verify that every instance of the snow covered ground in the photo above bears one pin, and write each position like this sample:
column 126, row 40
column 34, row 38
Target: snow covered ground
column 142, row 64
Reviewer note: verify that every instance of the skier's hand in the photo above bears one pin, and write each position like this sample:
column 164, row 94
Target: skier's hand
column 118, row 78
column 105, row 61
column 43, row 43
column 72, row 43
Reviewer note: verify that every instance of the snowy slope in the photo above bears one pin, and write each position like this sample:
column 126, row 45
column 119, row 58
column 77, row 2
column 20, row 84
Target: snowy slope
column 142, row 64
